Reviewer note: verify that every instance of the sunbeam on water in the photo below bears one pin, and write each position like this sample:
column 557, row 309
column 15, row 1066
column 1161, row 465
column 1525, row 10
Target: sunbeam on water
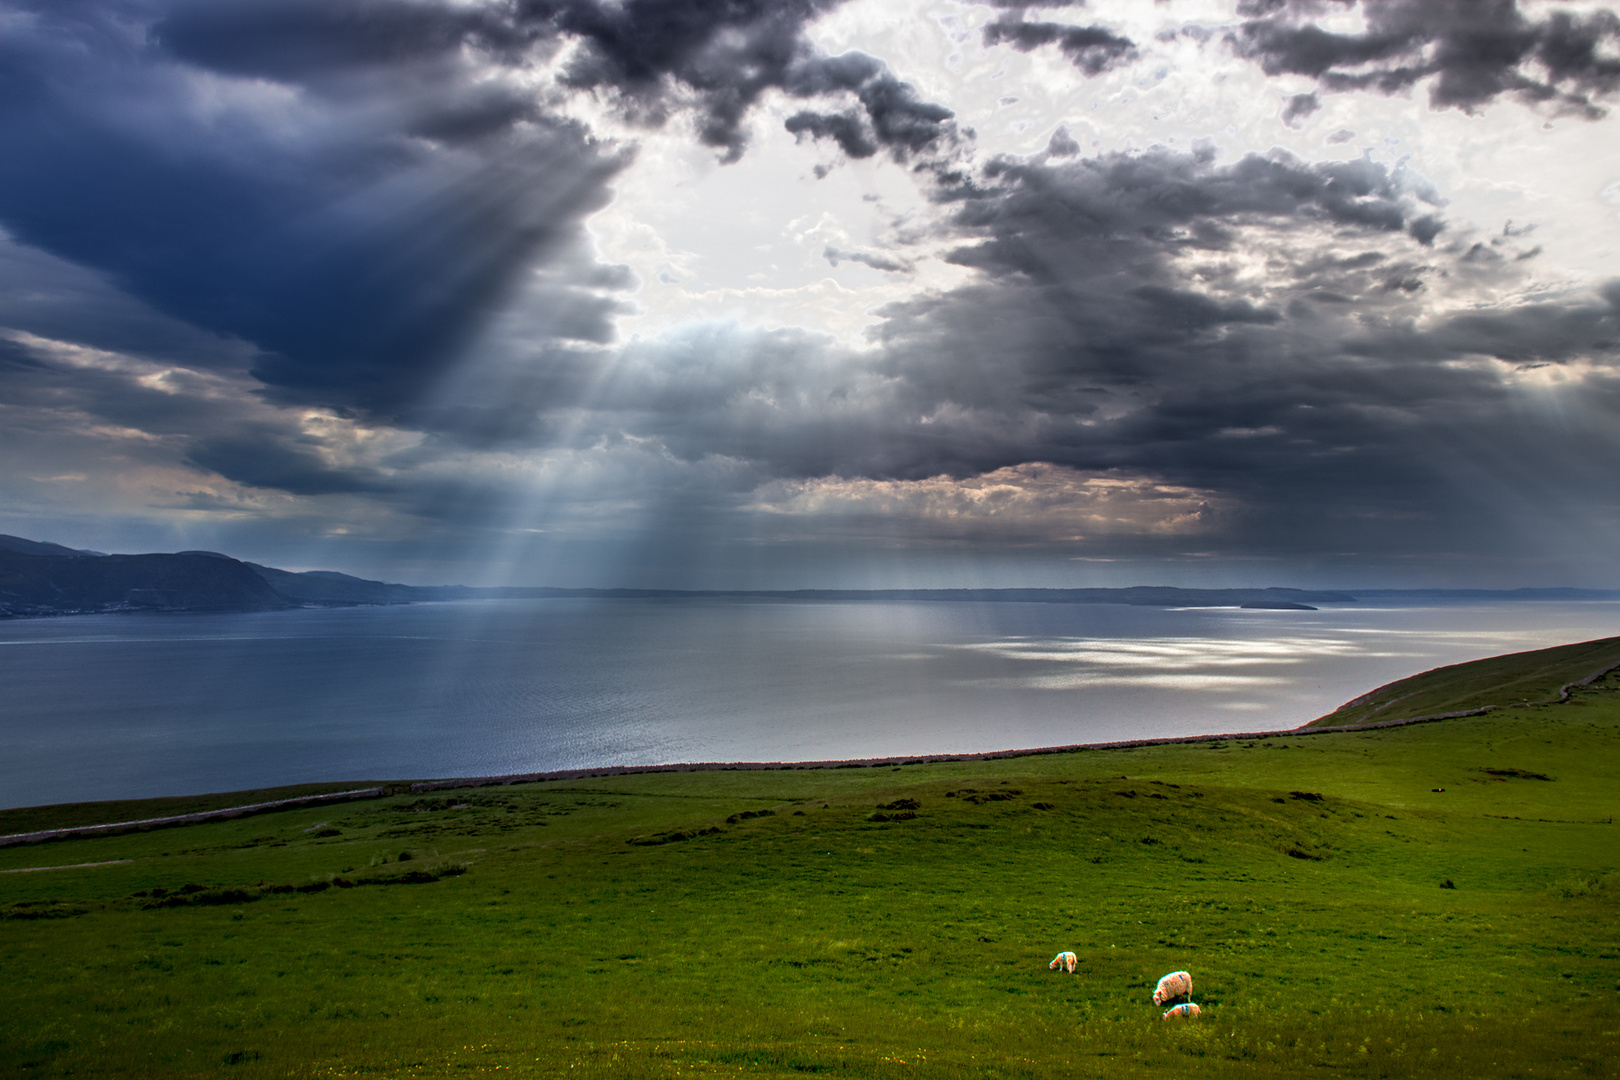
column 103, row 707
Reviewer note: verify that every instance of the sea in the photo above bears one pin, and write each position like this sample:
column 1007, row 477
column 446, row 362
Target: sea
column 133, row 706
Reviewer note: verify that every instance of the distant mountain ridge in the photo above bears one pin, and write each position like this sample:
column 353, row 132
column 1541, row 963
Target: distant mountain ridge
column 77, row 584
column 41, row 579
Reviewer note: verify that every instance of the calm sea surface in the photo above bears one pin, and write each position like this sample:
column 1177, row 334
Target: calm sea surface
column 126, row 706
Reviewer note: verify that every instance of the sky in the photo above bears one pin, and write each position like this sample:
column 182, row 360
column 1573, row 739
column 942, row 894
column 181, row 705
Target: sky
column 809, row 293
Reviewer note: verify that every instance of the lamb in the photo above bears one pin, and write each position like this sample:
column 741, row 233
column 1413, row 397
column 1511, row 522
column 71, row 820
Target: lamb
column 1065, row 960
column 1174, row 985
column 1186, row 1009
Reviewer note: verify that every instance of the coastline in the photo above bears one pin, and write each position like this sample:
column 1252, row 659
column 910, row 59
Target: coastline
column 377, row 791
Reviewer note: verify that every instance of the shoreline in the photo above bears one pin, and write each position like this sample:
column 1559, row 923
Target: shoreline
column 396, row 787
column 377, row 791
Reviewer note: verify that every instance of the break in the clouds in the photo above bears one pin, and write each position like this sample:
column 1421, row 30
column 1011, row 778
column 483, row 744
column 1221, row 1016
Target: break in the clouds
column 817, row 292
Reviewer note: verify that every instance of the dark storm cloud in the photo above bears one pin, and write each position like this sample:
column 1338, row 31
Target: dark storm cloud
column 356, row 257
column 297, row 40
column 370, row 208
column 1080, row 306
column 728, row 52
column 1476, row 50
column 891, row 114
column 1253, row 330
column 1092, row 49
column 1528, row 335
column 266, row 458
column 380, row 178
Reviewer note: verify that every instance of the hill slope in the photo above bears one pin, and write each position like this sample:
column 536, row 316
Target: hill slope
column 72, row 585
column 1494, row 682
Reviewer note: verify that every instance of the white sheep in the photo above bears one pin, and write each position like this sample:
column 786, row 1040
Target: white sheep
column 1187, row 1009
column 1065, row 960
column 1174, row 985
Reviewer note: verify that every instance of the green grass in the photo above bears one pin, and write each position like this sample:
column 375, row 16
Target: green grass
column 1495, row 682
column 27, row 819
column 584, row 938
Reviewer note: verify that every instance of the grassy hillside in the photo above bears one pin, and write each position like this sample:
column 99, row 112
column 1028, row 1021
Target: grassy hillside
column 1497, row 681
column 1339, row 915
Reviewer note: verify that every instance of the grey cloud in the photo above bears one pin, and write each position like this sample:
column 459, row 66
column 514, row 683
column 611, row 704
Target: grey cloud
column 265, row 458
column 1092, row 49
column 726, row 54
column 1054, row 220
column 295, row 40
column 877, row 260
column 1104, row 334
column 164, row 416
column 1299, row 107
column 892, row 116
column 847, row 129
column 1476, row 50
column 1528, row 334
column 1062, row 144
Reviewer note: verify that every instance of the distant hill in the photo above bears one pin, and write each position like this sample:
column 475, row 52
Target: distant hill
column 36, row 547
column 1494, row 682
column 39, row 578
column 77, row 584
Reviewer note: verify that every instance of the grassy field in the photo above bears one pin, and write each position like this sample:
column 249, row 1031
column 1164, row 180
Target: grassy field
column 1340, row 916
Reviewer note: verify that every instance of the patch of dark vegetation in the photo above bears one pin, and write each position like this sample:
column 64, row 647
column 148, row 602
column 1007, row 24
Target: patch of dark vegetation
column 240, row 1057
column 425, row 806
column 1519, row 774
column 902, row 804
column 194, row 895
column 1043, row 806
column 40, row 1054
column 1126, row 794
column 746, row 815
column 1305, row 796
column 200, row 896
column 44, row 909
column 899, row 815
column 327, row 832
column 673, row 837
column 1448, row 884
column 1150, row 840
column 1297, row 853
column 1592, row 886
column 975, row 796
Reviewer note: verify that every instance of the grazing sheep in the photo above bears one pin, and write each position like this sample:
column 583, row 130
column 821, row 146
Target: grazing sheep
column 1065, row 960
column 1174, row 985
column 1187, row 1009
